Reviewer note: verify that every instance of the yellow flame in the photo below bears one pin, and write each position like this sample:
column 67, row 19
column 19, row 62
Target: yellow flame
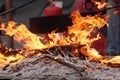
column 116, row 59
column 100, row 5
column 4, row 60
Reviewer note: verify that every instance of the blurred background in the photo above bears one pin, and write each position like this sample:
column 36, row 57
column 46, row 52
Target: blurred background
column 34, row 9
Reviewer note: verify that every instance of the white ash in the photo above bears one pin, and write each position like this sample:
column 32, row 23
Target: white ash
column 47, row 69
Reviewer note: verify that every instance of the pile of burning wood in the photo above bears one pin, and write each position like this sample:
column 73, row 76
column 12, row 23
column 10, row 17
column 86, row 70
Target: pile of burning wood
column 64, row 56
column 56, row 63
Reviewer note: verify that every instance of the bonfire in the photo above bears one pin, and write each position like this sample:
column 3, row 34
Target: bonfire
column 72, row 49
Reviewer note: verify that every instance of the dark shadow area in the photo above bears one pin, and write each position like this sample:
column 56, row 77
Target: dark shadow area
column 47, row 24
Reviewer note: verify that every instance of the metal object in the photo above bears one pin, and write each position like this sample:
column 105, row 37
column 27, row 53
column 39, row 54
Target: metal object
column 9, row 17
column 46, row 24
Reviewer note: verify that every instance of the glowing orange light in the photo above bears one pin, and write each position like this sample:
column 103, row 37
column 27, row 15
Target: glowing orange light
column 79, row 34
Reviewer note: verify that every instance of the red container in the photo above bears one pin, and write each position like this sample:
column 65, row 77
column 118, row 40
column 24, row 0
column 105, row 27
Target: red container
column 52, row 10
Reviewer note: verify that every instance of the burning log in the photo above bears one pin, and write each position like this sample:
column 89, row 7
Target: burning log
column 49, row 54
column 65, row 51
column 69, row 50
column 40, row 59
column 81, row 51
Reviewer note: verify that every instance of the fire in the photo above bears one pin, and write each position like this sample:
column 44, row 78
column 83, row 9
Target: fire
column 22, row 35
column 100, row 5
column 5, row 60
column 78, row 34
column 116, row 59
column 91, row 53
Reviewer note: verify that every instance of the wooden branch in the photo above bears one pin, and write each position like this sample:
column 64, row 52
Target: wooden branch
column 78, row 69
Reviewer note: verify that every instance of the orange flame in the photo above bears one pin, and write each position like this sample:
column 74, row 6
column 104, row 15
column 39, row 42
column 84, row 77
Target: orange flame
column 4, row 60
column 100, row 5
column 22, row 35
column 80, row 31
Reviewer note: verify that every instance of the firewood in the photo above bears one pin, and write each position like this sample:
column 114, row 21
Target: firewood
column 78, row 69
